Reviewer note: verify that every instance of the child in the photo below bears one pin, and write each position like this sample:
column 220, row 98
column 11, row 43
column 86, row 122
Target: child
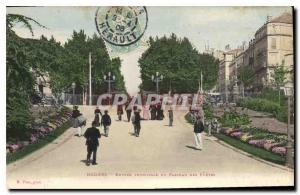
column 106, row 122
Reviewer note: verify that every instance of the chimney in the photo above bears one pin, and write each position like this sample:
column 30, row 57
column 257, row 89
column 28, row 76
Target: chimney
column 269, row 18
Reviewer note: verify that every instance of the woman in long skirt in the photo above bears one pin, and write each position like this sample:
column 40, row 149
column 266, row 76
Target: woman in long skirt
column 146, row 112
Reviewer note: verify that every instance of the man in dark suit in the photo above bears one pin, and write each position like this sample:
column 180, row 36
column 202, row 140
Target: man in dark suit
column 128, row 110
column 92, row 135
column 137, row 123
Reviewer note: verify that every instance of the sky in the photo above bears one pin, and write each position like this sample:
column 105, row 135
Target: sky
column 216, row 26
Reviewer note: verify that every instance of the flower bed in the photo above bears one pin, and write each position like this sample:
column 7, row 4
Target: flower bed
column 259, row 138
column 42, row 128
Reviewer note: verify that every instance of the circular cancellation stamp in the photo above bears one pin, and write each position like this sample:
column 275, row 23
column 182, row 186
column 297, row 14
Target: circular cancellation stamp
column 121, row 26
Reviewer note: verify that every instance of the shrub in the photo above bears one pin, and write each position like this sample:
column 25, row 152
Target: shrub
column 208, row 112
column 258, row 104
column 264, row 105
column 272, row 95
column 234, row 119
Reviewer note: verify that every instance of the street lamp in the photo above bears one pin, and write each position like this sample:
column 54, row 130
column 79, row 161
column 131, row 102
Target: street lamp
column 288, row 91
column 73, row 87
column 109, row 78
column 157, row 78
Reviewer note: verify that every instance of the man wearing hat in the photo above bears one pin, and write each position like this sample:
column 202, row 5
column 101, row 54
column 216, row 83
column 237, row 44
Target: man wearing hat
column 92, row 135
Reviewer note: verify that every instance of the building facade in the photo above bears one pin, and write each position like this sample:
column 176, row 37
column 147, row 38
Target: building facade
column 226, row 73
column 272, row 47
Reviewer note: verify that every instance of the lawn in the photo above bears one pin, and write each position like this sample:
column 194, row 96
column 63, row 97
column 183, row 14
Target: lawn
column 12, row 157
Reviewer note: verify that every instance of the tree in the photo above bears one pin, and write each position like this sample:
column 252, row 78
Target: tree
column 19, row 79
column 180, row 64
column 279, row 78
column 12, row 19
column 64, row 65
column 80, row 45
column 246, row 76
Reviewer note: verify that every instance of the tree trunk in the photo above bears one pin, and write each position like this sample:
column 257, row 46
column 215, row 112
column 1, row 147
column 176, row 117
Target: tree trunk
column 279, row 96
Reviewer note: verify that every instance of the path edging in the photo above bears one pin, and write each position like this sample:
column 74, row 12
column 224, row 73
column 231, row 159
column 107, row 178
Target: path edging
column 249, row 155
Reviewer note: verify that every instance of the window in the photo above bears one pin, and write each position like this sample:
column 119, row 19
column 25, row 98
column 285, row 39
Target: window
column 273, row 43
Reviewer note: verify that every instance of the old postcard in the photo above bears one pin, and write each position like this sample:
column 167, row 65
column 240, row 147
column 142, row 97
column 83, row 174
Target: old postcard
column 141, row 97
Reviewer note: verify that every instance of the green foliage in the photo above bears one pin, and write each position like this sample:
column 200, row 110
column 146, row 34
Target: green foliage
column 12, row 19
column 272, row 95
column 208, row 112
column 246, row 76
column 188, row 118
column 279, row 78
column 19, row 86
column 18, row 116
column 180, row 64
column 281, row 115
column 259, row 133
column 28, row 58
column 279, row 75
column 234, row 119
column 263, row 105
column 76, row 52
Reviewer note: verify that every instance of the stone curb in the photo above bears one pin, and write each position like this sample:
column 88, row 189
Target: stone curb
column 212, row 138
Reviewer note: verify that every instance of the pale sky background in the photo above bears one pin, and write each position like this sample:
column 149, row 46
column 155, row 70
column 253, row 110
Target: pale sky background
column 217, row 25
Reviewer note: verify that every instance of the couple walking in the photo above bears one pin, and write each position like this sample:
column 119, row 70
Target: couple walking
column 105, row 120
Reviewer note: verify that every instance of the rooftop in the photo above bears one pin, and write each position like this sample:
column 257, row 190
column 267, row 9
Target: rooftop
column 283, row 18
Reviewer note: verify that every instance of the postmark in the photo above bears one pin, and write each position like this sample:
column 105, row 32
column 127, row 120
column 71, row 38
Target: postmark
column 121, row 26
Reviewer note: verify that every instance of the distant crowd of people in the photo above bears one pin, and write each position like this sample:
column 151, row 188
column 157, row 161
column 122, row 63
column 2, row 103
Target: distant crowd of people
column 92, row 134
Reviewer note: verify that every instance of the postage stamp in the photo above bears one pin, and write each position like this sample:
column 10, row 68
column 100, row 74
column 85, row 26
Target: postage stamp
column 121, row 26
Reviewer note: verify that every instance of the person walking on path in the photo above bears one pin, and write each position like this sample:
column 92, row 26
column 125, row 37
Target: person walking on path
column 198, row 129
column 128, row 111
column 170, row 117
column 92, row 135
column 137, row 123
column 133, row 122
column 159, row 112
column 106, row 122
column 152, row 112
column 120, row 112
column 82, row 124
column 146, row 112
column 98, row 111
column 78, row 121
column 75, row 113
column 98, row 114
